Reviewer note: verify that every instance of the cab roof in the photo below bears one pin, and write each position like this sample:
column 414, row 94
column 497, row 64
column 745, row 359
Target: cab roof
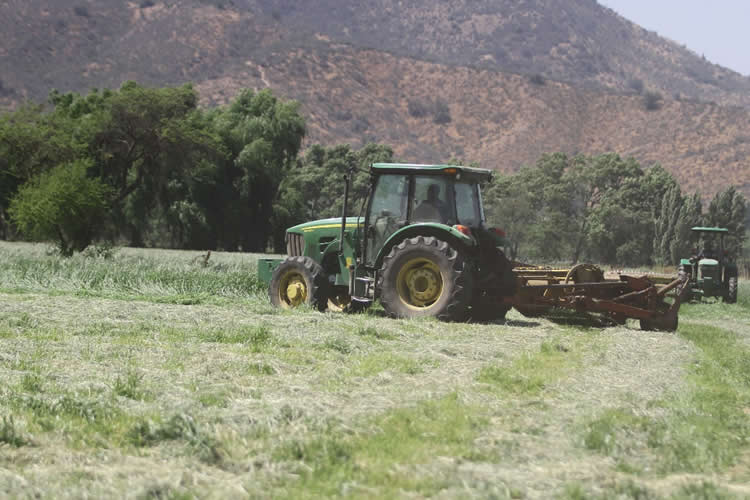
column 699, row 229
column 480, row 174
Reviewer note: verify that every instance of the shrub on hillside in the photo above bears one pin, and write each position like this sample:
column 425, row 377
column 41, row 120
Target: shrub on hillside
column 537, row 79
column 652, row 100
column 442, row 113
column 417, row 108
column 636, row 84
column 81, row 11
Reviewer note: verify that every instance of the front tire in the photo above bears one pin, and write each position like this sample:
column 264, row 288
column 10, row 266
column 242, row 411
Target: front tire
column 425, row 276
column 298, row 281
column 732, row 290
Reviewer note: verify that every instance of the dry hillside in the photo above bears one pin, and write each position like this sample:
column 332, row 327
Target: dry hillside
column 499, row 119
column 578, row 41
column 499, row 82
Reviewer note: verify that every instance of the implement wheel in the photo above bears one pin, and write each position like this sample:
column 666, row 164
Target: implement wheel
column 425, row 276
column 297, row 281
column 731, row 290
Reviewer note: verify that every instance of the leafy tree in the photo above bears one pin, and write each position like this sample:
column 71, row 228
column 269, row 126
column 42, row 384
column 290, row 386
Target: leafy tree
column 690, row 216
column 314, row 189
column 141, row 142
column 62, row 205
column 31, row 142
column 666, row 226
column 509, row 206
column 593, row 182
column 727, row 209
column 262, row 136
column 534, row 208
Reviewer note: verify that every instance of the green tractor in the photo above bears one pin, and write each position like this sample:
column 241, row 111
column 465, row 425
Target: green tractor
column 710, row 271
column 420, row 246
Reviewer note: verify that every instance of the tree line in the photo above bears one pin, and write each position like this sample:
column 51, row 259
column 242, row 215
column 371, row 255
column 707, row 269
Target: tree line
column 606, row 209
column 147, row 167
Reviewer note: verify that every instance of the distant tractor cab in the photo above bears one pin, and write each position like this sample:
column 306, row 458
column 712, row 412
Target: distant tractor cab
column 422, row 248
column 711, row 271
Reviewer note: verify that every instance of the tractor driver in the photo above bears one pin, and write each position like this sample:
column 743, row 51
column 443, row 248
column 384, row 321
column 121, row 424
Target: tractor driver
column 432, row 208
column 708, row 251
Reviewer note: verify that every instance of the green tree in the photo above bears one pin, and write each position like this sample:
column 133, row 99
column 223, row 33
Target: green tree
column 31, row 142
column 728, row 209
column 666, row 226
column 594, row 182
column 534, row 208
column 142, row 140
column 314, row 188
column 262, row 135
column 690, row 216
column 63, row 205
column 509, row 206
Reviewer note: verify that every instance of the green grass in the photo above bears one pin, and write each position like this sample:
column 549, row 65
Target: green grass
column 149, row 374
column 170, row 278
column 376, row 363
column 131, row 386
column 386, row 457
column 10, row 433
column 702, row 430
column 533, row 372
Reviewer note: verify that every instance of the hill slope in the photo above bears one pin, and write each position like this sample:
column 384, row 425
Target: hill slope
column 501, row 120
column 578, row 41
column 467, row 102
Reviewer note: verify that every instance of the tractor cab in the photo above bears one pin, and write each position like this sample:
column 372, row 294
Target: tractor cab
column 710, row 270
column 709, row 243
column 430, row 197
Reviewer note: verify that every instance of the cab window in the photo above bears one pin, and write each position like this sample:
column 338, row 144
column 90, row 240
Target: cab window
column 467, row 204
column 387, row 213
column 433, row 200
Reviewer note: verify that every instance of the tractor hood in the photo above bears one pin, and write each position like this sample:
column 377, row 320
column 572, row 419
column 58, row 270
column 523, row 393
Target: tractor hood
column 327, row 225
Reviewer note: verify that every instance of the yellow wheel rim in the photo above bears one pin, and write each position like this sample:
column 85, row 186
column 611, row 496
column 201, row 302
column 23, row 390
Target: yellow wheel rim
column 292, row 289
column 419, row 283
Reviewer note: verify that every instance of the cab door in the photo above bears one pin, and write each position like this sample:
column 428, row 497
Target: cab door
column 387, row 212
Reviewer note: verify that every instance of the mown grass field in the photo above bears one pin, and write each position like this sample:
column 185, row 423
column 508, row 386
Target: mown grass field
column 153, row 375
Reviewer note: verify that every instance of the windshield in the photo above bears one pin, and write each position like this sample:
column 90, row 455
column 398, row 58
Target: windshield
column 468, row 207
column 440, row 199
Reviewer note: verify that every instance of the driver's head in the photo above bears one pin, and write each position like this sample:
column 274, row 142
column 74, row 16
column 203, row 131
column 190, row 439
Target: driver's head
column 433, row 191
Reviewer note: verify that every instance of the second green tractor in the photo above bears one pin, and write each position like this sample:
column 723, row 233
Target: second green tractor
column 711, row 271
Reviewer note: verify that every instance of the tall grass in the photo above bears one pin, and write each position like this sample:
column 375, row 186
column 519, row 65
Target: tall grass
column 161, row 275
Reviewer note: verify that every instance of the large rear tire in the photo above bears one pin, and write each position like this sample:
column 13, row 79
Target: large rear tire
column 297, row 281
column 732, row 290
column 425, row 276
